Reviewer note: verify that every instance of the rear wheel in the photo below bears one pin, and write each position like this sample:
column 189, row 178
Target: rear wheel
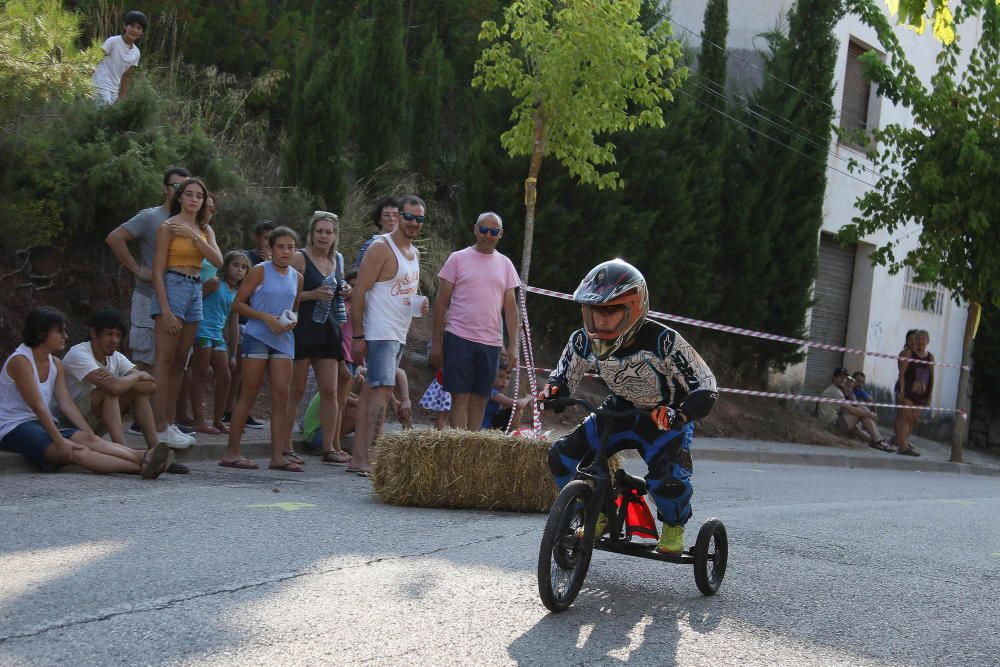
column 711, row 552
column 564, row 557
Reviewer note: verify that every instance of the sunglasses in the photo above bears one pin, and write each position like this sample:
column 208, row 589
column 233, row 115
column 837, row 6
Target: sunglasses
column 409, row 217
column 174, row 186
column 490, row 231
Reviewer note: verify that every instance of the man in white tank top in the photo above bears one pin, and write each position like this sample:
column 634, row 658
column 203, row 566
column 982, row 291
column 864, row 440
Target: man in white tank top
column 380, row 317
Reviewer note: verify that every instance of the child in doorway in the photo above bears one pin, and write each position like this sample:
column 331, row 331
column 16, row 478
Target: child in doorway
column 121, row 55
column 217, row 341
column 500, row 406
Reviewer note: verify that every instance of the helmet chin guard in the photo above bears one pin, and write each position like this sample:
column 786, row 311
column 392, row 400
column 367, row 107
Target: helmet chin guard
column 612, row 283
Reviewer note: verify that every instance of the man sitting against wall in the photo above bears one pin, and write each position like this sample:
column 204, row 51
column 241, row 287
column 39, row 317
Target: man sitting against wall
column 849, row 419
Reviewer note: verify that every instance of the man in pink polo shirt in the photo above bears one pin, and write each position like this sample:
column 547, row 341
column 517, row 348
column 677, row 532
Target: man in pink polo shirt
column 476, row 296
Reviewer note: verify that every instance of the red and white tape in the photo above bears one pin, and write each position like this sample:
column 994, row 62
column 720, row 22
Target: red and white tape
column 760, row 334
column 814, row 399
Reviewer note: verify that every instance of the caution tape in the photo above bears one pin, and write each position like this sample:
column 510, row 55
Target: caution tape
column 807, row 398
column 762, row 335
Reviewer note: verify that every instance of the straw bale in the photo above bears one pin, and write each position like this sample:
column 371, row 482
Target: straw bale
column 463, row 469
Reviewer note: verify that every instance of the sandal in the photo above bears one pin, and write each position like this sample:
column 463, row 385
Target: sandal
column 155, row 461
column 288, row 467
column 208, row 430
column 293, row 457
column 335, row 458
column 242, row 464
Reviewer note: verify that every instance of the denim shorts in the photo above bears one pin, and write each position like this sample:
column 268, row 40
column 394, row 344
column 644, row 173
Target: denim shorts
column 382, row 361
column 469, row 367
column 216, row 345
column 253, row 348
column 183, row 297
column 30, row 440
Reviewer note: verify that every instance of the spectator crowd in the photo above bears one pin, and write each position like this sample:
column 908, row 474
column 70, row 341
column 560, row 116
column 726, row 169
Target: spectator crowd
column 290, row 310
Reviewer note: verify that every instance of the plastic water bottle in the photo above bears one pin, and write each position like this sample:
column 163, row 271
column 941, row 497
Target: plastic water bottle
column 321, row 313
column 340, row 312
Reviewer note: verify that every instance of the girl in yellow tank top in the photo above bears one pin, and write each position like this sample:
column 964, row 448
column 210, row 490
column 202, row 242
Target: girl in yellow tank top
column 181, row 244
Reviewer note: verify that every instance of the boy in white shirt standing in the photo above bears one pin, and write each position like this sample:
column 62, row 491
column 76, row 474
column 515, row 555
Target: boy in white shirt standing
column 114, row 73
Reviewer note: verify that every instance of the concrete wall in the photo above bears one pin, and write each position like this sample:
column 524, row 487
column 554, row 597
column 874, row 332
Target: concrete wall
column 877, row 321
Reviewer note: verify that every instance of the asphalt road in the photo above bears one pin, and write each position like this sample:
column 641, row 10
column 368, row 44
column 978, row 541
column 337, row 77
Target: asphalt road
column 827, row 567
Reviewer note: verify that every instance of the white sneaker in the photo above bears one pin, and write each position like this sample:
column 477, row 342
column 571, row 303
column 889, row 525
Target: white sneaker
column 181, row 434
column 174, row 439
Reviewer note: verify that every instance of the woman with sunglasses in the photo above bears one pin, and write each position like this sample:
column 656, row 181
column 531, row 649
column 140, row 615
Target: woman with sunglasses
column 319, row 344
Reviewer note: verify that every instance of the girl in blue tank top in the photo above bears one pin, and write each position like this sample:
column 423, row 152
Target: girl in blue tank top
column 218, row 338
column 269, row 289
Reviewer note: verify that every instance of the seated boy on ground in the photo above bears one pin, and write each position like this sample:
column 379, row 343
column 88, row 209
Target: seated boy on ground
column 104, row 383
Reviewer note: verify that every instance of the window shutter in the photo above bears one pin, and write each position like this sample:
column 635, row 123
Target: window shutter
column 857, row 93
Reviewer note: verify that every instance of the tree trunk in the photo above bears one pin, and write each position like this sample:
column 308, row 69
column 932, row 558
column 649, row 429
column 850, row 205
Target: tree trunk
column 531, row 194
column 964, row 403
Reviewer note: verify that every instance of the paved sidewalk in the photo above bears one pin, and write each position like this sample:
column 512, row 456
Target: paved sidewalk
column 934, row 455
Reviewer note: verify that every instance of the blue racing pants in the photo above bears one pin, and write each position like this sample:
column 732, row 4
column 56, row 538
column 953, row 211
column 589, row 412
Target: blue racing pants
column 667, row 455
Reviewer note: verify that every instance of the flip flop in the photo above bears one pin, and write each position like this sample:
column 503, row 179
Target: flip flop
column 288, row 467
column 242, row 464
column 293, row 457
column 362, row 473
column 155, row 461
column 208, row 430
column 335, row 458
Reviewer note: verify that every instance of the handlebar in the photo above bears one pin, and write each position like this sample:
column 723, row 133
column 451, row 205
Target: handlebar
column 565, row 402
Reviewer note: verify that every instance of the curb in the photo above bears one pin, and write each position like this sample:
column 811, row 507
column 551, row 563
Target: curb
column 257, row 449
column 842, row 461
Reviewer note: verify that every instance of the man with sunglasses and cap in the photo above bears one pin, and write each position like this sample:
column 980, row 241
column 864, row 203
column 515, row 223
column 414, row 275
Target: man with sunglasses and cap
column 383, row 302
column 646, row 365
column 477, row 295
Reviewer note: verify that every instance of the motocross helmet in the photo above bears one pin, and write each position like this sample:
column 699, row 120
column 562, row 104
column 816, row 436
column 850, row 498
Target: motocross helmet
column 612, row 283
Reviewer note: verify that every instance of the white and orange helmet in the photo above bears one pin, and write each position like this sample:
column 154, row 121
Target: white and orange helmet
column 613, row 283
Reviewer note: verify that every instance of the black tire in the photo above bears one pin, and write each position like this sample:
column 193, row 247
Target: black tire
column 711, row 553
column 563, row 558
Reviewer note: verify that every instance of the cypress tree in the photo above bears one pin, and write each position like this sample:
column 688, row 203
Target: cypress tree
column 774, row 197
column 793, row 192
column 431, row 84
column 382, row 122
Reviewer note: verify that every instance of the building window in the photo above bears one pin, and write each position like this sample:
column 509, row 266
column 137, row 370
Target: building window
column 859, row 108
column 914, row 294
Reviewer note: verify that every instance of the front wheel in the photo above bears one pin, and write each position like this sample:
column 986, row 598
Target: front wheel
column 564, row 555
column 711, row 552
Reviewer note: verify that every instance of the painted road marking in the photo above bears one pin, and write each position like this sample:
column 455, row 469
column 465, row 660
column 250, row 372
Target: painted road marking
column 956, row 501
column 287, row 506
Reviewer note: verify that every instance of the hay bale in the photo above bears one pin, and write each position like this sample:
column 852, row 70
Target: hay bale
column 462, row 469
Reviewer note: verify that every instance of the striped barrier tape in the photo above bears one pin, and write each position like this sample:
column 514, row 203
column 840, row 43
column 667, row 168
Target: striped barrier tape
column 759, row 334
column 814, row 399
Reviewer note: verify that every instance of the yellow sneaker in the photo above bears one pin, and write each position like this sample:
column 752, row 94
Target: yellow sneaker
column 599, row 528
column 671, row 540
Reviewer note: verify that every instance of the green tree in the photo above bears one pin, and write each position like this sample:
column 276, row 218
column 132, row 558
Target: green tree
column 39, row 58
column 941, row 172
column 382, row 125
column 432, row 81
column 577, row 69
column 777, row 185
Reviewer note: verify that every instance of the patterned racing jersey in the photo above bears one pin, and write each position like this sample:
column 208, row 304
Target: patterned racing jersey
column 658, row 367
